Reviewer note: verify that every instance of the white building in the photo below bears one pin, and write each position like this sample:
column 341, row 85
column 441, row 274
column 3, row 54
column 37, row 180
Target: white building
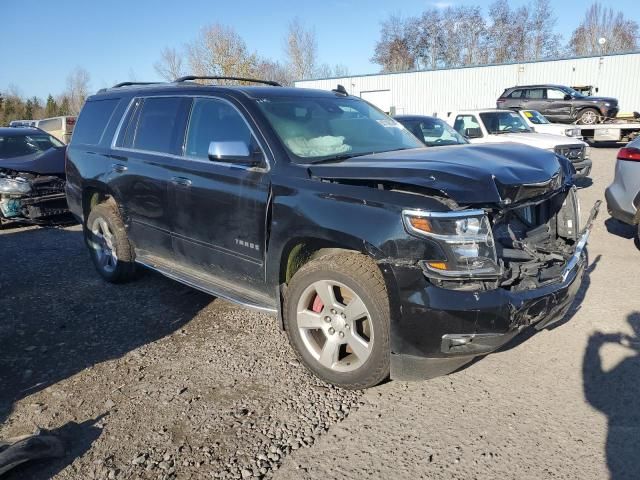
column 437, row 92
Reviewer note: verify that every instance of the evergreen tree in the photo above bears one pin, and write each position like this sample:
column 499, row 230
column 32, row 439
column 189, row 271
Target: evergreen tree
column 65, row 108
column 51, row 109
column 28, row 110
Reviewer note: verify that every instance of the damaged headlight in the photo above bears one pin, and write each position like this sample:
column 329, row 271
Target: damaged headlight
column 14, row 186
column 465, row 237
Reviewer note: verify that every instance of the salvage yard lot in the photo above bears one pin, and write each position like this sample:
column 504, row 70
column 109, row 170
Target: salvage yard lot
column 155, row 380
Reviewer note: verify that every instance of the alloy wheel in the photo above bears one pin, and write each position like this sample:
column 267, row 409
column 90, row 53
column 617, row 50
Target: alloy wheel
column 102, row 244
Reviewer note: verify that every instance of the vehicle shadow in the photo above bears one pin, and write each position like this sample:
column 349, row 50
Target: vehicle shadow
column 620, row 229
column 583, row 182
column 616, row 394
column 58, row 317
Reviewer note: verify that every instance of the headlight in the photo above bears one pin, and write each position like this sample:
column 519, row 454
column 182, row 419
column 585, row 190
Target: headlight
column 572, row 132
column 465, row 237
column 14, row 186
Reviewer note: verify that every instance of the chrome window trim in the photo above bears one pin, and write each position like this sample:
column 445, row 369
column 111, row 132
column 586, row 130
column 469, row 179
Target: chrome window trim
column 188, row 157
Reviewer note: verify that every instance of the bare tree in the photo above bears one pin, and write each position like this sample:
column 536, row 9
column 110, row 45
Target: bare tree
column 220, row 51
column 275, row 71
column 77, row 89
column 301, row 50
column 170, row 65
column 620, row 33
column 543, row 41
column 395, row 51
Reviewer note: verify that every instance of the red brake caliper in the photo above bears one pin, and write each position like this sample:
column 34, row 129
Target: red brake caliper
column 317, row 304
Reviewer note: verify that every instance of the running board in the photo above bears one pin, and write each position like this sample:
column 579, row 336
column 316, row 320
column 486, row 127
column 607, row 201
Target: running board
column 208, row 283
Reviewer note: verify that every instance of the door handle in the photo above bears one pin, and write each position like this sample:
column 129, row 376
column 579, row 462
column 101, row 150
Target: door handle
column 118, row 168
column 185, row 182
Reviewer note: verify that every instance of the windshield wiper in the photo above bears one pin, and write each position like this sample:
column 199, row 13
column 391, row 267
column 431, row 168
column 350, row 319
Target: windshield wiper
column 347, row 156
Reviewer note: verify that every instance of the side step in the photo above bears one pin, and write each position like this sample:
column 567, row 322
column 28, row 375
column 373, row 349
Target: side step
column 208, row 283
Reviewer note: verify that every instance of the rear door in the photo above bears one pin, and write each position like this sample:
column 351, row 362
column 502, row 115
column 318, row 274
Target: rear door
column 150, row 137
column 219, row 210
column 536, row 100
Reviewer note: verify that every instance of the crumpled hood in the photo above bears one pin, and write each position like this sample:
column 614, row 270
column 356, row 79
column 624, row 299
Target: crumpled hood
column 547, row 141
column 612, row 101
column 50, row 162
column 466, row 173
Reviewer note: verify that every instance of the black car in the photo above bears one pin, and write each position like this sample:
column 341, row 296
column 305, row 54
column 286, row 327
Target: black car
column 31, row 176
column 431, row 131
column 378, row 256
column 559, row 103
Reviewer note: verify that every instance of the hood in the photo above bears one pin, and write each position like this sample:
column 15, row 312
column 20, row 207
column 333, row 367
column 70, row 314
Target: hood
column 613, row 101
column 546, row 141
column 50, row 162
column 469, row 174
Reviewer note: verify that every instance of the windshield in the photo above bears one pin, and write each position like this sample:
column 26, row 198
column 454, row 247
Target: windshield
column 535, row 117
column 21, row 145
column 433, row 131
column 504, row 122
column 314, row 129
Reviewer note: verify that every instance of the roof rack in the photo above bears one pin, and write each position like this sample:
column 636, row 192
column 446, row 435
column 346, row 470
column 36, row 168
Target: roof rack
column 240, row 79
column 126, row 84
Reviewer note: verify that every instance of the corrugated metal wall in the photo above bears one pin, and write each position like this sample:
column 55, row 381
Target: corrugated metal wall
column 441, row 91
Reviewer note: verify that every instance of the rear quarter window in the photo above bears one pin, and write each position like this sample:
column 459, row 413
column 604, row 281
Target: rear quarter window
column 51, row 124
column 93, row 120
column 516, row 94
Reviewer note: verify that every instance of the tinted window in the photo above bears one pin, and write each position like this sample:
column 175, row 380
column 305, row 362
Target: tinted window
column 516, row 94
column 535, row 93
column 436, row 132
column 214, row 121
column 160, row 125
column 21, row 145
column 93, row 120
column 51, row 124
column 504, row 122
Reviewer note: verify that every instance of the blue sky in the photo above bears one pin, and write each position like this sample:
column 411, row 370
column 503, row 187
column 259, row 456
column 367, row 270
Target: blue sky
column 119, row 39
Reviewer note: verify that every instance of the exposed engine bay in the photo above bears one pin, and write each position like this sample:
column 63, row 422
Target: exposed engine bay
column 31, row 197
column 534, row 242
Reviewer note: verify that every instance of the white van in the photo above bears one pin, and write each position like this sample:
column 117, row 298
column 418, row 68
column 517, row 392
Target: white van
column 59, row 127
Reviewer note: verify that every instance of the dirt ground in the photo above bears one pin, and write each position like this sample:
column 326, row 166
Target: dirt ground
column 155, row 380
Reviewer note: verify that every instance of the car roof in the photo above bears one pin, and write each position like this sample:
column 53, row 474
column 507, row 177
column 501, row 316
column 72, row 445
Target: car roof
column 18, row 131
column 482, row 110
column 249, row 91
column 543, row 85
column 415, row 117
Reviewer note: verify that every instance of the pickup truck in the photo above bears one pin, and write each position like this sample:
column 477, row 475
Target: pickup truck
column 508, row 126
column 378, row 257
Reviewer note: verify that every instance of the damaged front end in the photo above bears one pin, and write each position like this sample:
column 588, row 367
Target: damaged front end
column 30, row 197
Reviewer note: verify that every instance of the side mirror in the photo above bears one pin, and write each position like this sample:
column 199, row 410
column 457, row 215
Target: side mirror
column 473, row 132
column 232, row 152
column 568, row 97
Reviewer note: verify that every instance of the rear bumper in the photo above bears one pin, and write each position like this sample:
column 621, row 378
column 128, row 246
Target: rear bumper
column 442, row 330
column 625, row 212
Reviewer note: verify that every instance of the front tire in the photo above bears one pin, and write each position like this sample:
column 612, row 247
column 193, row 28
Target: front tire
column 109, row 246
column 337, row 317
column 589, row 116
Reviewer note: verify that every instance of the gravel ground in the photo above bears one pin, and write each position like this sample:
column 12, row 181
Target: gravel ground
column 155, row 380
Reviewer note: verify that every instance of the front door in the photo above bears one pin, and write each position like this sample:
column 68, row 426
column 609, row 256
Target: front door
column 219, row 210
column 558, row 108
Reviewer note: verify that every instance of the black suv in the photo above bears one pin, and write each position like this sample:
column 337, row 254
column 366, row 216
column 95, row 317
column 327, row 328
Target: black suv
column 559, row 103
column 378, row 256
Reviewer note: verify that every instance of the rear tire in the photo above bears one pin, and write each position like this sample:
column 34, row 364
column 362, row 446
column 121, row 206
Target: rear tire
column 109, row 246
column 336, row 313
column 589, row 116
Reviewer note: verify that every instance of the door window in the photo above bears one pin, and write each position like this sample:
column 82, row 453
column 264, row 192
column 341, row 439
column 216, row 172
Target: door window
column 214, row 120
column 517, row 94
column 535, row 93
column 465, row 121
column 553, row 94
column 160, row 126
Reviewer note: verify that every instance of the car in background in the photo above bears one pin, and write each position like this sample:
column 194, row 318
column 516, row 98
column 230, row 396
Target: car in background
column 559, row 103
column 623, row 195
column 22, row 123
column 31, row 176
column 540, row 124
column 59, row 127
column 502, row 126
column 431, row 131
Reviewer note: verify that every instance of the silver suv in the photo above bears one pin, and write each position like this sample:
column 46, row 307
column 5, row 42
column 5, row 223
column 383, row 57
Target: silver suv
column 623, row 195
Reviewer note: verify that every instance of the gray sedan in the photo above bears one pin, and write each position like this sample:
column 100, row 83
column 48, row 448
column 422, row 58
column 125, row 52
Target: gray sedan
column 623, row 195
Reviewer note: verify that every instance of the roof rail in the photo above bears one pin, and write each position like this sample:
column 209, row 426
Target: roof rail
column 126, row 84
column 241, row 79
